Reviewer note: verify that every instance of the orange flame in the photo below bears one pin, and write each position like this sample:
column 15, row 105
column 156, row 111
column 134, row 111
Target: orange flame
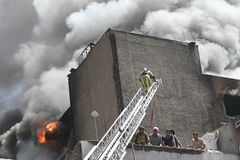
column 49, row 127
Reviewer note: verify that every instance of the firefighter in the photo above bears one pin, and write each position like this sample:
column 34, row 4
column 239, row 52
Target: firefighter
column 141, row 137
column 145, row 79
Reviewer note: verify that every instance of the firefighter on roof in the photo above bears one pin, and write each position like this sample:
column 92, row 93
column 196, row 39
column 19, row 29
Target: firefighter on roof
column 145, row 79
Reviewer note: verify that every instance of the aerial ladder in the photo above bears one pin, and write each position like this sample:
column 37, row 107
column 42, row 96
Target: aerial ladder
column 113, row 144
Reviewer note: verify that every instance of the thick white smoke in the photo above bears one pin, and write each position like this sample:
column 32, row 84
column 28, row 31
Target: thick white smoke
column 39, row 42
column 212, row 24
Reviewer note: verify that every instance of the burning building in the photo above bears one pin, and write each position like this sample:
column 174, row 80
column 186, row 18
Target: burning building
column 108, row 77
column 35, row 134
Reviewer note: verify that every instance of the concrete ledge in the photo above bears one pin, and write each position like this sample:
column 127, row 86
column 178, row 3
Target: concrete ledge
column 163, row 153
column 142, row 152
column 165, row 149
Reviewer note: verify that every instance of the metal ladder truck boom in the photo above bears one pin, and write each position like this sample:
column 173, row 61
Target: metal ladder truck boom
column 114, row 143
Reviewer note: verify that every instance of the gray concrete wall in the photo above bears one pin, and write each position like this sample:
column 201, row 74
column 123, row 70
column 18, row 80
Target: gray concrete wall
column 187, row 100
column 227, row 140
column 170, row 154
column 92, row 87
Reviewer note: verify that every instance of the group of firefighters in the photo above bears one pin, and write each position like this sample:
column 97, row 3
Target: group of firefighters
column 170, row 139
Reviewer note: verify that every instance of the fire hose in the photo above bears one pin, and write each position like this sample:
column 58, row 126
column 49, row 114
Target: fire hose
column 152, row 117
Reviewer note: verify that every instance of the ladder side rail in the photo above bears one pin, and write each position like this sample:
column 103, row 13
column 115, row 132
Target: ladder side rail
column 147, row 98
column 134, row 108
column 126, row 136
column 120, row 146
column 128, row 120
column 145, row 102
column 112, row 131
column 131, row 128
column 144, row 107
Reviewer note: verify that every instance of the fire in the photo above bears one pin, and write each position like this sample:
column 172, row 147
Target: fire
column 49, row 128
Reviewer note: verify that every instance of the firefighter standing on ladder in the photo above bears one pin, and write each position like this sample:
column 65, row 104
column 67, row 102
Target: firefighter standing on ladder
column 145, row 79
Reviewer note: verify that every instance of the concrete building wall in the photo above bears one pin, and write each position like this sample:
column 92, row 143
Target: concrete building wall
column 92, row 87
column 187, row 100
column 165, row 154
column 227, row 140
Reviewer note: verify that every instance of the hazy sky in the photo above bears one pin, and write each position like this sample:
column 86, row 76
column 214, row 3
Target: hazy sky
column 40, row 41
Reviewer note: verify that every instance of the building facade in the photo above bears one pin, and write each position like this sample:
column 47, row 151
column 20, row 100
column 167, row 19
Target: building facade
column 107, row 79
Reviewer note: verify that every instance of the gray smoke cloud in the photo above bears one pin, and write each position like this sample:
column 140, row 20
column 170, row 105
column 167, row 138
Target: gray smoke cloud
column 40, row 41
column 15, row 28
column 8, row 118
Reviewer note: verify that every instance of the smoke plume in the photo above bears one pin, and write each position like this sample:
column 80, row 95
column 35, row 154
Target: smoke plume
column 40, row 41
